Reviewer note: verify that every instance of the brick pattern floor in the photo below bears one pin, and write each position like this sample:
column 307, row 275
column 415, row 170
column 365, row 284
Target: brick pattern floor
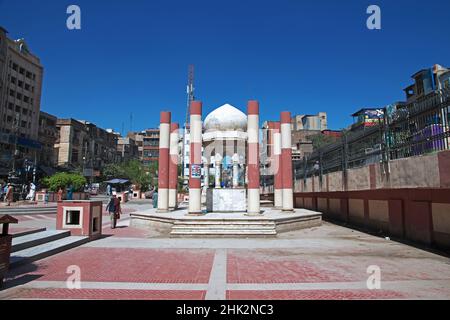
column 127, row 265
column 314, row 295
column 102, row 294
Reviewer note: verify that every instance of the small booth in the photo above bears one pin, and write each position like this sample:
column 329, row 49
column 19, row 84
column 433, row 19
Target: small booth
column 80, row 217
column 5, row 245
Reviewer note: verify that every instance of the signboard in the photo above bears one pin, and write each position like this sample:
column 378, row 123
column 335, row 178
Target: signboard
column 196, row 171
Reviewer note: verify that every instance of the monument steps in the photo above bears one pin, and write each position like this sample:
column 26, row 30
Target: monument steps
column 36, row 246
column 224, row 228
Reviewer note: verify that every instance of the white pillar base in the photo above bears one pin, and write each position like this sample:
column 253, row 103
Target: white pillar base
column 278, row 198
column 173, row 199
column 163, row 200
column 253, row 202
column 288, row 200
column 195, row 206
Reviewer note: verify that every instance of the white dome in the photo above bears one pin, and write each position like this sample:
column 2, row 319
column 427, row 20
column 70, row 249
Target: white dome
column 226, row 118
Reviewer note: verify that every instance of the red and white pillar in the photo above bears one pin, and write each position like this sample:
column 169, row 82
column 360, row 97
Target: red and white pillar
column 173, row 165
column 195, row 191
column 278, row 179
column 286, row 162
column 163, row 167
column 253, row 203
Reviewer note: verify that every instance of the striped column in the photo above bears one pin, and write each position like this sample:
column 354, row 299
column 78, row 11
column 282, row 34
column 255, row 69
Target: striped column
column 173, row 166
column 286, row 162
column 278, row 179
column 163, row 167
column 195, row 191
column 253, row 203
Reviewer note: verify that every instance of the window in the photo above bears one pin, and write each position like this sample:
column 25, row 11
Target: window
column 28, row 75
column 17, row 109
column 23, row 124
column 25, row 111
column 19, row 96
column 9, row 119
column 10, row 106
column 73, row 217
column 15, row 66
column 21, row 70
column 20, row 83
column 27, row 86
column 12, row 93
column 26, row 99
column 34, row 76
column 13, row 80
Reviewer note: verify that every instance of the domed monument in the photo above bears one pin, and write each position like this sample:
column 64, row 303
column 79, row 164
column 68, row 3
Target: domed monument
column 224, row 177
column 225, row 142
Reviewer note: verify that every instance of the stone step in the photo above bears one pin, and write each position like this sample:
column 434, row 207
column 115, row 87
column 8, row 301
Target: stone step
column 35, row 239
column 45, row 250
column 223, row 227
column 27, row 232
column 28, row 210
column 226, row 222
column 240, row 232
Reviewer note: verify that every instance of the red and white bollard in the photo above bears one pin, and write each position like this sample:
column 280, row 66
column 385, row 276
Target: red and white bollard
column 163, row 168
column 195, row 191
column 253, row 203
column 286, row 162
column 173, row 166
column 278, row 178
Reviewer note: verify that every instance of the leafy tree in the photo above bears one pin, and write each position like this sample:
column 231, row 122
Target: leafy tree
column 64, row 180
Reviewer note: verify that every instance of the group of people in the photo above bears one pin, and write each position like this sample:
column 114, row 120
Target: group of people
column 114, row 209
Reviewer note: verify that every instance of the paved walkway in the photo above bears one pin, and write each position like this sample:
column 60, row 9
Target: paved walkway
column 327, row 262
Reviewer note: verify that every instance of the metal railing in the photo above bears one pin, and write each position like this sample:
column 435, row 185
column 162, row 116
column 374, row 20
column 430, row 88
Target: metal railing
column 417, row 128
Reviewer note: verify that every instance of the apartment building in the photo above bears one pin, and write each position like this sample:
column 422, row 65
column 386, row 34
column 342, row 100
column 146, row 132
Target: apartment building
column 20, row 96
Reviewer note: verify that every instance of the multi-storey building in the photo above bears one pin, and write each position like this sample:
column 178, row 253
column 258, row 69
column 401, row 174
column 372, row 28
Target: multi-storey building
column 427, row 81
column 20, row 95
column 127, row 149
column 310, row 122
column 84, row 145
column 150, row 153
column 48, row 134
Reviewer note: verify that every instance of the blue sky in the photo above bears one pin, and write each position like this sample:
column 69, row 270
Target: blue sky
column 301, row 56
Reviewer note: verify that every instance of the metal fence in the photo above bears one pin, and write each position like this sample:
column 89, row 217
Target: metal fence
column 406, row 130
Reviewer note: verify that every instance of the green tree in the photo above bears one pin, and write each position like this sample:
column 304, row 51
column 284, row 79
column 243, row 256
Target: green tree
column 320, row 140
column 64, row 180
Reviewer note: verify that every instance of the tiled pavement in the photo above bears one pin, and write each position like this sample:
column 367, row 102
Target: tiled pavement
column 329, row 262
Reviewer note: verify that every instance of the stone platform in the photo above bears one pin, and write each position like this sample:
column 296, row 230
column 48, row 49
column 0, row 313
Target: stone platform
column 269, row 224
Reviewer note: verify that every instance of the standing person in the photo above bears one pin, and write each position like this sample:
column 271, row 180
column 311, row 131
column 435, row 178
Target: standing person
column 70, row 193
column 118, row 209
column 1, row 191
column 111, row 209
column 108, row 190
column 60, row 194
column 10, row 194
column 155, row 198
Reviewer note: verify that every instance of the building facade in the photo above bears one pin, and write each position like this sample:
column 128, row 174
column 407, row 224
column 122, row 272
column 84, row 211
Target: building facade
column 82, row 144
column 48, row 134
column 21, row 76
column 310, row 122
column 127, row 149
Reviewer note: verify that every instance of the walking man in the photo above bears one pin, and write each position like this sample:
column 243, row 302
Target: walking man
column 111, row 208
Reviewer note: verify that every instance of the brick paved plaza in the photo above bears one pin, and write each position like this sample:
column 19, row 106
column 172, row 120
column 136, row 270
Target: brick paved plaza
column 327, row 262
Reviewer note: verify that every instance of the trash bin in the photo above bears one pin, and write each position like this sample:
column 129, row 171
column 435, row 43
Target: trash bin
column 5, row 245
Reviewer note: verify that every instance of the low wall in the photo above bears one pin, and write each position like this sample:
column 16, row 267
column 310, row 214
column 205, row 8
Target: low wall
column 418, row 215
column 428, row 171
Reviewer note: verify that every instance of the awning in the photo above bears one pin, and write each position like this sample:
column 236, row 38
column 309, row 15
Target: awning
column 117, row 181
